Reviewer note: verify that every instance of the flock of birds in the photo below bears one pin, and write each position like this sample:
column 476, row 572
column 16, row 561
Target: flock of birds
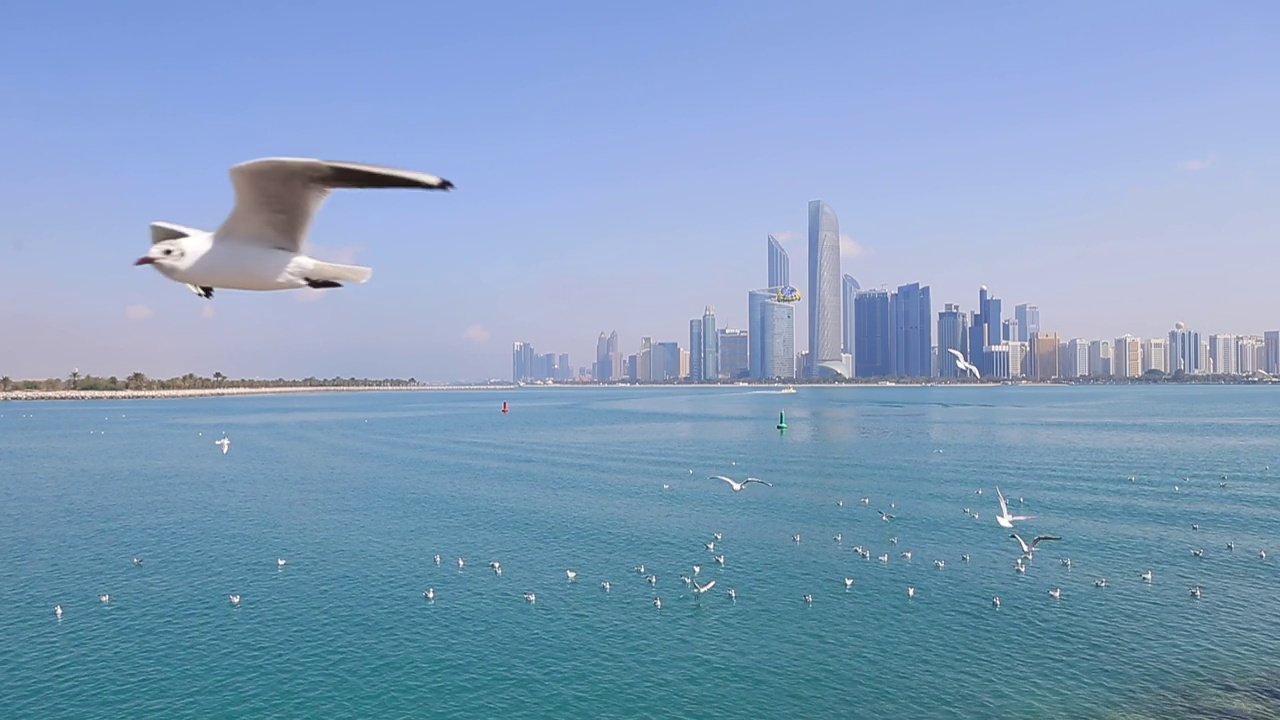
column 698, row 586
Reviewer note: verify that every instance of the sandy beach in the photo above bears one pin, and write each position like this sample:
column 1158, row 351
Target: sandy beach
column 20, row 395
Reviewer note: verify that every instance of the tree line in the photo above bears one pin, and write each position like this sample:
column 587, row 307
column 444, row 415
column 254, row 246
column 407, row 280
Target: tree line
column 190, row 381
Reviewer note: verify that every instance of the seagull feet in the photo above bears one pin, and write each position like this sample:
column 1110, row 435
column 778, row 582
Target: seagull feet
column 321, row 284
column 203, row 291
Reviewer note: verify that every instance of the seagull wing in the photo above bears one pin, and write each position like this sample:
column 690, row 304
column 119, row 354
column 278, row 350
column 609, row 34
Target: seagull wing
column 721, row 477
column 1004, row 506
column 1021, row 542
column 756, row 480
column 277, row 197
column 1038, row 538
column 959, row 357
column 1016, row 518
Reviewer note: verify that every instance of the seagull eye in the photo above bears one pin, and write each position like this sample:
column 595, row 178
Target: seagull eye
column 168, row 252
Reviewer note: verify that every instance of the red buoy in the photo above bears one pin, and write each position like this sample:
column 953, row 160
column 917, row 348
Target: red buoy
column 504, row 406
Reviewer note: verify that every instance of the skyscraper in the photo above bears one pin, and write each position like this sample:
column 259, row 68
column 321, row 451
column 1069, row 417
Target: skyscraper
column 1099, row 358
column 644, row 360
column 710, row 346
column 1009, row 330
column 1184, row 350
column 1126, row 357
column 695, row 350
column 1222, row 354
column 912, row 338
column 1155, row 355
column 522, row 362
column 733, row 353
column 874, row 327
column 1249, row 354
column 666, row 361
column 771, row 335
column 984, row 330
column 824, row 290
column 1044, row 357
column 600, row 371
column 1077, row 358
column 1271, row 341
column 779, row 264
column 953, row 331
column 566, row 370
column 848, row 291
column 1028, row 319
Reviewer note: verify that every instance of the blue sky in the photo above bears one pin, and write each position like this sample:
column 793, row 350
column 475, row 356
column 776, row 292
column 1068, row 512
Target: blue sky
column 618, row 166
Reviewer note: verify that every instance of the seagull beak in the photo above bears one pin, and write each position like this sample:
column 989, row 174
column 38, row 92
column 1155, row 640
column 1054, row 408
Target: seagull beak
column 144, row 261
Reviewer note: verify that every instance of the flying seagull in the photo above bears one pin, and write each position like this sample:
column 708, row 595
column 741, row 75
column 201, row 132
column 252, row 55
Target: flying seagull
column 737, row 486
column 1004, row 519
column 259, row 245
column 964, row 366
column 225, row 442
column 1029, row 549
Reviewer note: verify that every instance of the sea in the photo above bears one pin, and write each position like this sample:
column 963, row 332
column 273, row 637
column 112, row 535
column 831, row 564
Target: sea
column 358, row 493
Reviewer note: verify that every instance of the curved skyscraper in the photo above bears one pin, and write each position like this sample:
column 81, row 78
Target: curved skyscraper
column 824, row 291
column 779, row 264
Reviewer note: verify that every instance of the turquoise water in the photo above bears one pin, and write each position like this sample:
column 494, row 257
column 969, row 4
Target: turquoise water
column 359, row 491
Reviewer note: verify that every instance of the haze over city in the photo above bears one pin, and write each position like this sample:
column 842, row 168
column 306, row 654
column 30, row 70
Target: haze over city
column 619, row 168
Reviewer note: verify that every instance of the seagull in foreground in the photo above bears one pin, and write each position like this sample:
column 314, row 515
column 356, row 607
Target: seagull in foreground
column 430, row 594
column 737, row 486
column 1100, row 582
column 911, row 592
column 1146, row 575
column 571, row 574
column 1195, row 591
column 1028, row 550
column 259, row 245
column 733, row 595
column 1056, row 593
column 225, row 442
column 848, row 583
column 1005, row 519
column 436, row 557
column 699, row 589
column 964, row 366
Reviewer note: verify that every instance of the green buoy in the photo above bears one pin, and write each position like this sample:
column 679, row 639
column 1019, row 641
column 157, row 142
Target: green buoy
column 782, row 421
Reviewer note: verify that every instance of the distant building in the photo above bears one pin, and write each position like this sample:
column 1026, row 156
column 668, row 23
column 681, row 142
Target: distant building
column 771, row 335
column 684, row 364
column 1009, row 330
column 984, row 329
column 710, row 346
column 666, row 362
column 953, row 333
column 1271, row 353
column 1077, row 358
column 1250, row 354
column 522, row 362
column 1155, row 355
column 824, row 290
column 733, row 353
column 1184, row 351
column 1000, row 359
column 695, row 350
column 1019, row 358
column 1222, row 355
column 566, row 370
column 644, row 361
column 1044, row 356
column 848, row 291
column 1099, row 358
column 874, row 327
column 1028, row 319
column 779, row 264
column 911, row 342
column 1126, row 357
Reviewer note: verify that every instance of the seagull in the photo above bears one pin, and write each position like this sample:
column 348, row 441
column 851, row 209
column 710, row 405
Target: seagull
column 1262, row 554
column 939, row 564
column 1231, row 545
column 1100, row 582
column 1198, row 552
column 571, row 574
column 1195, row 591
column 657, row 602
column 666, row 486
column 965, row 557
column 653, row 579
column 848, row 583
column 1056, row 593
column 430, row 594
column 719, row 560
column 607, row 587
column 906, row 555
column 1028, row 550
column 235, row 599
column 808, row 599
column 733, row 595
column 737, row 486
column 1066, row 563
column 884, row 558
column 699, row 589
column 497, row 566
column 104, row 598
column 57, row 611
column 697, row 569
column 911, row 592
column 885, row 516
column 461, row 563
column 137, row 561
column 225, row 443
column 893, row 540
column 1005, row 519
column 839, row 503
column 259, row 245
column 1195, row 526
column 866, row 501
column 711, row 546
column 640, row 569
column 280, row 562
column 1146, row 575
column 964, row 366
column 838, row 537
column 531, row 597
column 718, row 536
column 796, row 537
column 995, row 602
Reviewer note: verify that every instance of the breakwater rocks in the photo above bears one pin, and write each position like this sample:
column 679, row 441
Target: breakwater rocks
column 17, row 395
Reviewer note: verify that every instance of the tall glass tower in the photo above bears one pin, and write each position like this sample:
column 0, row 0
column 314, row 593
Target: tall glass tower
column 1028, row 317
column 779, row 264
column 848, row 291
column 824, row 290
column 710, row 346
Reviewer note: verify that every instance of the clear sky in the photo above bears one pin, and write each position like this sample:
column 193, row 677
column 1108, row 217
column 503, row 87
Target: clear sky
column 619, row 165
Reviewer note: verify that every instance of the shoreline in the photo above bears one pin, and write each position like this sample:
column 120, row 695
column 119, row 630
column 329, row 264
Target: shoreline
column 42, row 395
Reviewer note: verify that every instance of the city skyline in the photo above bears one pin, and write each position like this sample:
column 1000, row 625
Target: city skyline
column 1116, row 178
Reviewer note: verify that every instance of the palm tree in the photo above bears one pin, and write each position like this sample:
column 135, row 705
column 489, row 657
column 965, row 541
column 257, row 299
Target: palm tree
column 75, row 378
column 6, row 382
column 136, row 381
column 219, row 377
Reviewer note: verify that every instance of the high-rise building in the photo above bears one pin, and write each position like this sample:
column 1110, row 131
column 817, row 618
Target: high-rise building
column 824, row 290
column 771, row 335
column 666, row 362
column 1009, row 330
column 1126, row 357
column 1205, row 363
column 911, row 341
column 600, row 370
column 1184, row 350
column 733, row 353
column 695, row 350
column 1028, row 318
column 1000, row 357
column 710, row 346
column 953, row 332
column 874, row 329
column 1271, row 356
column 631, row 368
column 566, row 370
column 1222, row 354
column 1155, row 355
column 1019, row 358
column 984, row 329
column 779, row 264
column 1044, row 357
column 523, row 362
column 848, row 291
column 1250, row 354
column 644, row 361
column 1099, row 358
column 1077, row 364
column 683, row 373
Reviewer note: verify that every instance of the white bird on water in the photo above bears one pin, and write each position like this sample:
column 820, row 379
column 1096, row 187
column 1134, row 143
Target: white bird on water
column 737, row 486
column 699, row 589
column 225, row 442
column 104, row 598
column 571, row 574
column 848, row 583
column 280, row 562
column 1005, row 519
column 235, row 599
column 57, row 611
column 436, row 557
column 1056, row 593
column 259, row 245
column 430, row 594
column 911, row 593
column 531, row 597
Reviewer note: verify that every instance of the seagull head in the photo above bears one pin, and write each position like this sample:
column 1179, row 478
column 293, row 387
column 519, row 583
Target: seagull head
column 165, row 255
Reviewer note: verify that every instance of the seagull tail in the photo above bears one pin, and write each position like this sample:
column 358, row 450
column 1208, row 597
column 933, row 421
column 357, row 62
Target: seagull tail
column 339, row 273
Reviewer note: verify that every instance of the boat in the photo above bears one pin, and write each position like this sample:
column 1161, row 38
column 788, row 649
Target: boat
column 788, row 390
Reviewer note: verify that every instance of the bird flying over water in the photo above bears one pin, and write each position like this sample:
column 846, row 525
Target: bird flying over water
column 737, row 486
column 1004, row 519
column 259, row 245
column 225, row 442
column 964, row 366
column 1030, row 549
